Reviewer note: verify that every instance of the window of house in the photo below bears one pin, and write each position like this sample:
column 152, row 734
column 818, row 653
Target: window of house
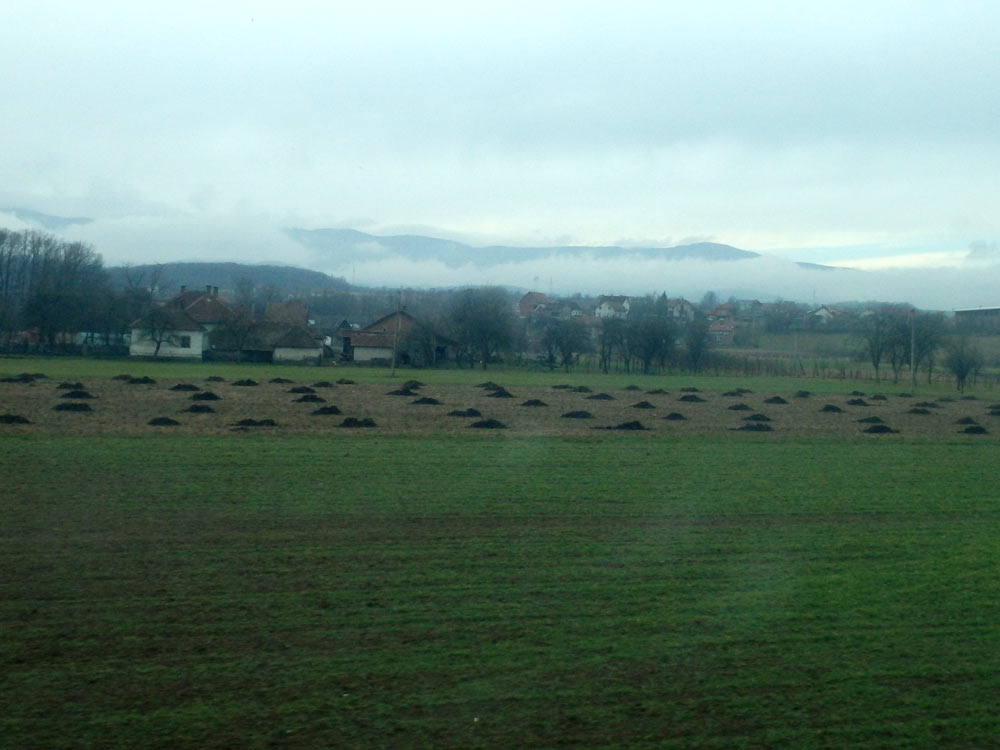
column 185, row 342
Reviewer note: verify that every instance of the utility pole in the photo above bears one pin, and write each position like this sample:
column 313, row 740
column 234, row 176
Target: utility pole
column 395, row 334
column 913, row 348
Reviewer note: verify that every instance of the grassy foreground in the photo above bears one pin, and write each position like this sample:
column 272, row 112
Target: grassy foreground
column 489, row 591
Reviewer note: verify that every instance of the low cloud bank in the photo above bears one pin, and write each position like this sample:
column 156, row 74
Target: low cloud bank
column 765, row 278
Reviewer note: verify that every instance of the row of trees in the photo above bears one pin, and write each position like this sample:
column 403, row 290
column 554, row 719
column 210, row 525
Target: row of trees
column 482, row 324
column 46, row 284
column 911, row 340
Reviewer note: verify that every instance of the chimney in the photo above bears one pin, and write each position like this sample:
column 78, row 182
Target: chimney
column 215, row 291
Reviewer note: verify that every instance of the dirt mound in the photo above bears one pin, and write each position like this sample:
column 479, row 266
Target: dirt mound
column 870, row 420
column 857, row 393
column 675, row 417
column 465, row 413
column 643, row 405
column 757, row 418
column 200, row 409
column 205, row 396
column 122, row 377
column 966, row 420
column 345, row 381
column 25, row 377
column 657, row 392
column 144, row 380
column 927, row 405
column 215, row 379
column 256, row 423
column 489, row 424
column 72, row 406
column 581, row 389
column 974, row 430
column 753, row 427
column 880, row 429
column 500, row 393
column 857, row 402
column 738, row 407
column 775, row 400
column 968, row 398
column 245, row 383
column 402, row 392
column 633, row 425
column 601, row 397
column 301, row 389
column 878, row 397
column 413, row 384
column 428, row 400
column 905, row 395
column 803, row 394
column 323, row 384
column 163, row 422
column 831, row 408
column 13, row 419
column 578, row 415
column 534, row 402
column 918, row 410
column 692, row 399
column 331, row 409
column 78, row 394
column 69, row 386
column 632, row 387
column 355, row 422
column 309, row 398
column 562, row 387
column 185, row 387
column 489, row 385
column 280, row 380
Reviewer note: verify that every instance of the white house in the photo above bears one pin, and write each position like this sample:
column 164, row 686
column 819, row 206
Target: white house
column 612, row 306
column 180, row 327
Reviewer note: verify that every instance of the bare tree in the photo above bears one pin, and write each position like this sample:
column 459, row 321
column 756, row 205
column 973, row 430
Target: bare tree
column 567, row 339
column 696, row 342
column 157, row 326
column 875, row 334
column 483, row 321
column 963, row 358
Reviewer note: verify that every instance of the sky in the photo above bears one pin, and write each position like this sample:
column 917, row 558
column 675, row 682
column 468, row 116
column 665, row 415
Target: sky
column 856, row 134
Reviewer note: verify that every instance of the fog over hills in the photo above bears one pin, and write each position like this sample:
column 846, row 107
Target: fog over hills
column 418, row 259
column 346, row 245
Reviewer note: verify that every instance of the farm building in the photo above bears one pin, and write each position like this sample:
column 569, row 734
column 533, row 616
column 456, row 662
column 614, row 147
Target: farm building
column 202, row 325
column 413, row 341
column 978, row 319
column 180, row 327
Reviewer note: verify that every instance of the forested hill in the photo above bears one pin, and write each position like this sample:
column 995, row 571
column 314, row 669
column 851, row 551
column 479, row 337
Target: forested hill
column 170, row 277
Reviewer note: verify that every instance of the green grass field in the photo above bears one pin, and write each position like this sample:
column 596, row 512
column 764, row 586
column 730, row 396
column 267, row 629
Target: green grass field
column 495, row 591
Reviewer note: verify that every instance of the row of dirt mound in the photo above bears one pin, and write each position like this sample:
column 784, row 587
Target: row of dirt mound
column 790, row 410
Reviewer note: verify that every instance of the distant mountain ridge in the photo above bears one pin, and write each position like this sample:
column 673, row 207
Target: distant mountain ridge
column 345, row 245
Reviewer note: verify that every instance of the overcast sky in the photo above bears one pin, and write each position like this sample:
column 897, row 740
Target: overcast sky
column 860, row 134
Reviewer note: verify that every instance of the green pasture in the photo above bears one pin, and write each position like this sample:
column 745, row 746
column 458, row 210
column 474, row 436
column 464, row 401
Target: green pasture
column 79, row 368
column 487, row 591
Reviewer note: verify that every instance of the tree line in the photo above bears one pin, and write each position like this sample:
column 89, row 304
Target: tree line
column 55, row 288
